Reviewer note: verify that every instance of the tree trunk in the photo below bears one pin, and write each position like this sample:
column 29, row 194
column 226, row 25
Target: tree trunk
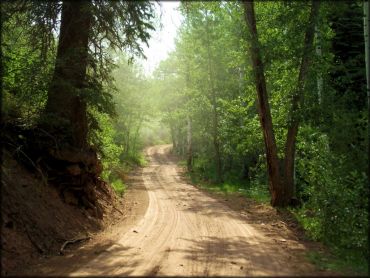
column 173, row 137
column 128, row 133
column 319, row 81
column 189, row 161
column 367, row 46
column 64, row 100
column 216, row 142
column 276, row 187
column 71, row 163
column 213, row 99
column 297, row 102
column 136, row 134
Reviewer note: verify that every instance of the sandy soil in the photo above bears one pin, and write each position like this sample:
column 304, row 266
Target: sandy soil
column 172, row 228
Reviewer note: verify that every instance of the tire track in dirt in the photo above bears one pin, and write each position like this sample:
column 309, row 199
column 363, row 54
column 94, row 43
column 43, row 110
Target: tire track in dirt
column 186, row 232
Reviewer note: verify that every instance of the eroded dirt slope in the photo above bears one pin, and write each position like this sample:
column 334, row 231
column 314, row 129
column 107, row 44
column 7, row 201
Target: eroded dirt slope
column 36, row 222
column 184, row 232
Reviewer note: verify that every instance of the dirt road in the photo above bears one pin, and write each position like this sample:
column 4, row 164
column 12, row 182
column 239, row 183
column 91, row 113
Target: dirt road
column 187, row 232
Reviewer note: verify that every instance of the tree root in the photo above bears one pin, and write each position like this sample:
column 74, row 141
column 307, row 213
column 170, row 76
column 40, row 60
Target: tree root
column 72, row 241
column 34, row 242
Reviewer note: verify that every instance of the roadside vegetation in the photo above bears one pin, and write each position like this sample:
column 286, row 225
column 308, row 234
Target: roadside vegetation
column 312, row 59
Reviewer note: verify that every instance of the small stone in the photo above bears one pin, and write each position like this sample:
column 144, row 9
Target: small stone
column 135, row 231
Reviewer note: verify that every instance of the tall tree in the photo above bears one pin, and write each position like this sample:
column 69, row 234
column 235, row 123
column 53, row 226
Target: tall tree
column 297, row 102
column 281, row 186
column 189, row 128
column 213, row 98
column 81, row 74
column 275, row 184
column 367, row 61
column 70, row 71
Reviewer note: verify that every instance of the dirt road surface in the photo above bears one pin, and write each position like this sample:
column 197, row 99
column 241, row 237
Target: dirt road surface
column 184, row 232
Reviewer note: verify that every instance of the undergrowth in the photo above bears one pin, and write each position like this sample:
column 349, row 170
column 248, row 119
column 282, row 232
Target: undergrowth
column 347, row 263
column 254, row 191
column 115, row 173
column 340, row 259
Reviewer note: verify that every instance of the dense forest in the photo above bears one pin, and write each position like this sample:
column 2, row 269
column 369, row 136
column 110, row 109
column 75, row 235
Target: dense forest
column 270, row 99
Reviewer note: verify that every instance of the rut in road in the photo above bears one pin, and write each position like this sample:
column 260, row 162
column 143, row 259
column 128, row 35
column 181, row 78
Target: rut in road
column 185, row 232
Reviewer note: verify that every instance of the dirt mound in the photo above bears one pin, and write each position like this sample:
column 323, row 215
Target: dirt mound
column 37, row 221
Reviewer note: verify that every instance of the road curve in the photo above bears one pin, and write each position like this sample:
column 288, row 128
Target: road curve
column 185, row 232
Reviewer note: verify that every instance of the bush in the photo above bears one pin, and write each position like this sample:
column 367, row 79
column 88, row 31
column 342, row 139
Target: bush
column 118, row 186
column 334, row 209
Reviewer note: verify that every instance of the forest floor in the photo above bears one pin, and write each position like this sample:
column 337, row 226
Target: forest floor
column 171, row 227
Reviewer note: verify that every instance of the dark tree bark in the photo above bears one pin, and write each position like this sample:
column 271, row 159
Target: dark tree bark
column 367, row 62
column 297, row 102
column 72, row 165
column 275, row 184
column 64, row 100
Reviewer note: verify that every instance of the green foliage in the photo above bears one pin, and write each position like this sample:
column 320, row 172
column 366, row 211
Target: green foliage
column 331, row 157
column 118, row 186
column 25, row 77
column 346, row 264
column 334, row 211
column 253, row 191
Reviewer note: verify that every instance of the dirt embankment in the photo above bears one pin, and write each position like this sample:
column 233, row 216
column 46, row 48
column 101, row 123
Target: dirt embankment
column 37, row 222
column 172, row 228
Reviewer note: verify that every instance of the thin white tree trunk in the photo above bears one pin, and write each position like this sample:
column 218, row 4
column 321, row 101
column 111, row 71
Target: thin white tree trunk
column 189, row 144
column 318, row 49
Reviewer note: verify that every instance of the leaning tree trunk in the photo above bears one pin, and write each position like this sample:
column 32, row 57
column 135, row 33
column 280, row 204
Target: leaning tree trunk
column 297, row 102
column 276, row 187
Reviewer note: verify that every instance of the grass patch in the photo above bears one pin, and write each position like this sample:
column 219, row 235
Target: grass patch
column 347, row 263
column 118, row 186
column 256, row 193
column 182, row 163
column 130, row 161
